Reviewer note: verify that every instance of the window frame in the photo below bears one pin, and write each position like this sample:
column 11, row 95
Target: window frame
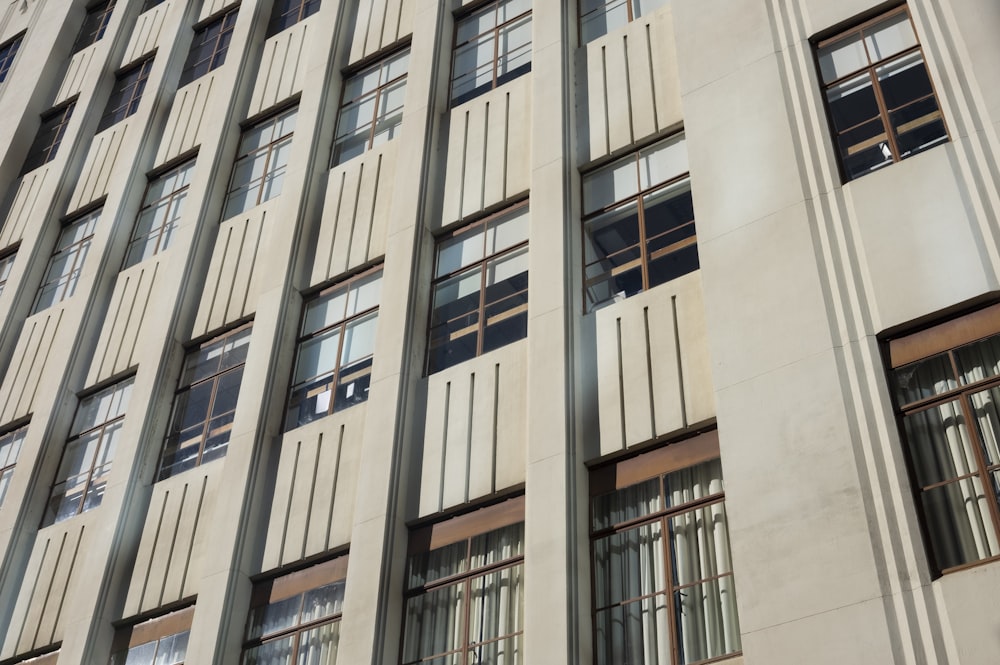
column 870, row 70
column 155, row 629
column 521, row 206
column 276, row 589
column 7, row 259
column 126, row 94
column 382, row 62
column 646, row 257
column 342, row 325
column 226, row 22
column 13, row 436
column 451, row 531
column 909, row 349
column 40, row 154
column 78, row 249
column 94, row 25
column 226, row 341
column 174, row 202
column 8, row 52
column 632, row 16
column 636, row 469
column 306, row 8
column 267, row 172
column 454, row 101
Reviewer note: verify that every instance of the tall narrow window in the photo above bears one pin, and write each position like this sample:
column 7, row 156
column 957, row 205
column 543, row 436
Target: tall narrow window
column 879, row 96
column 599, row 17
column 160, row 213
column 86, row 459
column 638, row 224
column 6, row 265
column 126, row 95
column 295, row 618
column 208, row 50
column 50, row 134
column 7, row 52
column 372, row 110
column 492, row 46
column 94, row 24
column 159, row 641
column 465, row 593
column 287, row 13
column 333, row 357
column 946, row 384
column 10, row 448
column 205, row 403
column 260, row 166
column 67, row 261
column 663, row 576
column 480, row 290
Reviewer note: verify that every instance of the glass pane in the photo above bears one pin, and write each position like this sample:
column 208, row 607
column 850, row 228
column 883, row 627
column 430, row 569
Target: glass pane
column 699, row 544
column 664, row 161
column 693, row 483
column 433, row 623
column 841, row 58
column 476, row 24
column 319, row 645
column 501, row 652
column 461, row 250
column 626, row 504
column 322, row 602
column 889, row 37
column 436, row 564
column 142, row 654
column 602, row 19
column 506, row 300
column 635, row 633
column 359, row 339
column 938, row 441
column 920, row 380
column 629, row 564
column 918, row 127
column 958, row 523
column 612, row 183
column 986, row 414
column 903, row 80
column 852, row 103
column 644, row 7
column 172, row 649
column 864, row 149
column 317, row 356
column 325, row 311
column 497, row 545
column 506, row 231
column 278, row 652
column 273, row 617
column 455, row 320
column 496, row 604
column 365, row 294
column 707, row 623
column 978, row 361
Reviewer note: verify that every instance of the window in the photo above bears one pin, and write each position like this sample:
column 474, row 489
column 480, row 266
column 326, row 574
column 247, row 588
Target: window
column 6, row 265
column 259, row 171
column 287, row 13
column 599, row 17
column 50, row 135
column 159, row 641
column 492, row 46
column 160, row 213
column 208, row 50
column 67, row 261
column 296, row 618
column 7, row 53
column 464, row 601
column 127, row 94
column 10, row 448
column 373, row 107
column 94, row 24
column 86, row 460
column 333, row 357
column 480, row 289
column 150, row 4
column 879, row 96
column 663, row 577
column 638, row 223
column 946, row 385
column 205, row 403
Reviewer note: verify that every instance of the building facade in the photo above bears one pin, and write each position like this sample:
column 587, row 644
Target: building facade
column 499, row 331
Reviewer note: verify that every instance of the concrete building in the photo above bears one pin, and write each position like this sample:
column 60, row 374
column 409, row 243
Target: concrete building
column 380, row 331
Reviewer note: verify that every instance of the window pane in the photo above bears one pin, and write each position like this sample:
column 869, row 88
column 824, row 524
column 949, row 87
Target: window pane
column 274, row 617
column 958, row 523
column 506, row 300
column 433, row 623
column 638, row 632
column 172, row 649
column 662, row 162
column 319, row 645
column 496, row 605
column 626, row 504
column 889, row 37
column 437, row 564
column 317, row 356
column 693, row 483
column 979, row 360
column 852, row 103
column 938, row 441
column 629, row 564
column 497, row 545
column 986, row 415
column 278, row 652
column 322, row 602
column 612, row 183
column 707, row 623
column 699, row 542
column 924, row 379
column 459, row 251
column 501, row 652
column 841, row 58
column 599, row 19
column 507, row 231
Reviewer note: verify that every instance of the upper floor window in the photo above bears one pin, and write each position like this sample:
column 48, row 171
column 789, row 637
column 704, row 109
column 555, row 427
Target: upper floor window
column 333, row 356
column 7, row 52
column 50, row 135
column 638, row 223
column 94, row 24
column 6, row 265
column 262, row 157
column 208, row 50
column 150, row 4
column 160, row 213
column 480, row 290
column 599, row 17
column 205, row 403
column 946, row 385
column 10, row 449
column 287, row 13
column 86, row 459
column 464, row 589
column 372, row 110
column 879, row 96
column 492, row 46
column 663, row 575
column 295, row 618
column 159, row 641
column 127, row 94
column 66, row 263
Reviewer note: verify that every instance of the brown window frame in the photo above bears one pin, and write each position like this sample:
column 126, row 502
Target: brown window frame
column 889, row 130
column 264, row 193
column 452, row 531
column 497, row 79
column 225, row 23
column 172, row 199
column 300, row 9
column 53, row 124
column 145, row 631
column 290, row 585
column 905, row 351
column 179, row 412
column 632, row 16
column 65, row 282
column 94, row 24
column 13, row 439
column 8, row 51
column 126, row 94
column 7, row 259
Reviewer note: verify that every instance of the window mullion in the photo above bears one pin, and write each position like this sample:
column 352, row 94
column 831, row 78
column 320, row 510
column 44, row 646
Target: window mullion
column 668, row 573
column 977, row 450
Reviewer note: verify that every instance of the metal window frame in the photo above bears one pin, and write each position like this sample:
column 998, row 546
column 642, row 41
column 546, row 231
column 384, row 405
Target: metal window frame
column 94, row 24
column 200, row 34
column 289, row 7
column 494, row 31
column 8, row 51
column 74, row 248
column 42, row 150
column 147, row 204
column 268, row 151
column 128, row 90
